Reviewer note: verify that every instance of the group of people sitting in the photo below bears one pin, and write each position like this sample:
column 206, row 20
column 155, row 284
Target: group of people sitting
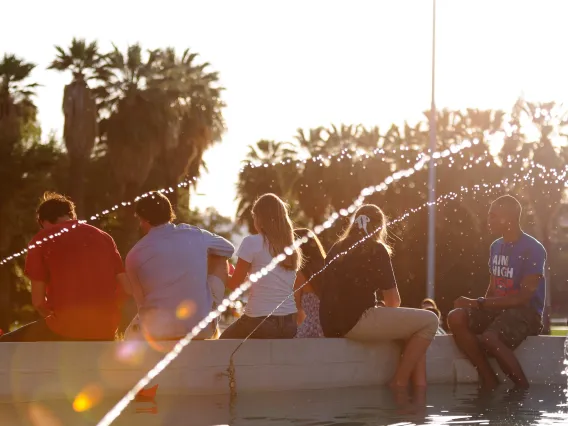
column 178, row 273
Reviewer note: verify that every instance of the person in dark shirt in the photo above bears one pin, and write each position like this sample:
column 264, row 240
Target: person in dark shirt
column 357, row 267
column 512, row 307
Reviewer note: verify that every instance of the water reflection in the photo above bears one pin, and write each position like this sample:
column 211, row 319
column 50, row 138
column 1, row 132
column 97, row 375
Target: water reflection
column 440, row 405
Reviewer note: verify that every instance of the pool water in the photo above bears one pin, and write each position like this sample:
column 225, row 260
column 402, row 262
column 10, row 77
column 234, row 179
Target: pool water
column 440, row 405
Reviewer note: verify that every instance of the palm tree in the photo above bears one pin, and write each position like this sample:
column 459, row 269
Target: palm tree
column 17, row 118
column 133, row 124
column 196, row 119
column 25, row 166
column 135, row 117
column 80, row 110
column 17, row 110
column 163, row 111
column 14, row 72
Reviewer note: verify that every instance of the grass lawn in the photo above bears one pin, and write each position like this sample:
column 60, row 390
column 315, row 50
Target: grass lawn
column 558, row 330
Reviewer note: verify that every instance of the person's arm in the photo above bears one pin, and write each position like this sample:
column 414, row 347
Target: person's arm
column 218, row 245
column 39, row 301
column 386, row 280
column 391, row 298
column 123, row 289
column 131, row 288
column 466, row 302
column 240, row 275
column 529, row 285
column 132, row 279
column 534, row 268
column 38, row 273
column 491, row 287
column 300, row 281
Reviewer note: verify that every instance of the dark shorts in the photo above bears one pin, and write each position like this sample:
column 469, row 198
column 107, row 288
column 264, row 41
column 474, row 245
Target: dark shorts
column 513, row 325
column 275, row 327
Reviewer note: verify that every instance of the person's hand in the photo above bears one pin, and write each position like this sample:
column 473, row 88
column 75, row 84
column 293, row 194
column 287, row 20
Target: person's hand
column 465, row 302
column 45, row 311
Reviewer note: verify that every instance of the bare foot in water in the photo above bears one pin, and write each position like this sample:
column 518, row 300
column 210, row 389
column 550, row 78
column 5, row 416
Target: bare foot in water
column 396, row 383
column 489, row 385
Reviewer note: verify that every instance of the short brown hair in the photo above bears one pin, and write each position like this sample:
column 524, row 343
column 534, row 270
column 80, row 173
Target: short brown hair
column 54, row 206
column 155, row 208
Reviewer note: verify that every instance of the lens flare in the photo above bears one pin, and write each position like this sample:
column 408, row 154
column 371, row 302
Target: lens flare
column 185, row 309
column 131, row 352
column 87, row 398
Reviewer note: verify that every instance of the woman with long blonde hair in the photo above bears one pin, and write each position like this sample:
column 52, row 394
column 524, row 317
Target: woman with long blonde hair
column 358, row 267
column 275, row 233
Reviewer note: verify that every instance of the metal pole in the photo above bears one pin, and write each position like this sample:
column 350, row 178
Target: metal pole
column 431, row 269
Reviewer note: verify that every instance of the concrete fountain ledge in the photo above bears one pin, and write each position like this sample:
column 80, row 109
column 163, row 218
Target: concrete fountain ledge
column 33, row 371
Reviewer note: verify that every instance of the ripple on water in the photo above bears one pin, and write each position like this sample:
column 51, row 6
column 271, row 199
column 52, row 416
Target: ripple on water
column 441, row 405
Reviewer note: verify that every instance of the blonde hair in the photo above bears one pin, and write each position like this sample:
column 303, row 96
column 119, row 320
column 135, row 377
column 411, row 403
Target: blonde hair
column 271, row 217
column 376, row 226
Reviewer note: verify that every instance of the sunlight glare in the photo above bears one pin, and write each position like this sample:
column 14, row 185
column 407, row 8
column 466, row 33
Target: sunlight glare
column 87, row 398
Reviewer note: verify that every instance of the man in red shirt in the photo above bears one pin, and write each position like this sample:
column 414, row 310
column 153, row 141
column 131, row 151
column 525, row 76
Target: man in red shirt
column 77, row 276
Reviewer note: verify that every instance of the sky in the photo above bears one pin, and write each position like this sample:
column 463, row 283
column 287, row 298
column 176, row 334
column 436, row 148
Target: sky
column 303, row 64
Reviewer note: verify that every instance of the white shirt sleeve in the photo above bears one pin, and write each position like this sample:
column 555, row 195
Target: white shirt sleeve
column 217, row 245
column 249, row 248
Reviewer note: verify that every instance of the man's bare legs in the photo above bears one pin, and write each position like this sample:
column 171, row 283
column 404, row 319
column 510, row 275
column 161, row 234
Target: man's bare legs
column 471, row 347
column 505, row 357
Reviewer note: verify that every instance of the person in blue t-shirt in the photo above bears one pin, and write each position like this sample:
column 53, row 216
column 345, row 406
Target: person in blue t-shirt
column 512, row 307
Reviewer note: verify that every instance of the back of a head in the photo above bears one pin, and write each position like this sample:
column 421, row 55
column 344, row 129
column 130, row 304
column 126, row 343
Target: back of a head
column 369, row 222
column 155, row 208
column 271, row 216
column 429, row 301
column 313, row 257
column 55, row 206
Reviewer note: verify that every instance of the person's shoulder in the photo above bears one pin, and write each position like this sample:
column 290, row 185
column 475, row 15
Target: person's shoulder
column 253, row 244
column 377, row 249
column 39, row 236
column 381, row 248
column 191, row 231
column 497, row 243
column 533, row 243
column 253, row 240
column 85, row 227
column 184, row 227
column 340, row 248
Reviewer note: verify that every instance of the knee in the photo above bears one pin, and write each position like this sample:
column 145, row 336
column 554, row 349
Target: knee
column 489, row 340
column 430, row 325
column 457, row 319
